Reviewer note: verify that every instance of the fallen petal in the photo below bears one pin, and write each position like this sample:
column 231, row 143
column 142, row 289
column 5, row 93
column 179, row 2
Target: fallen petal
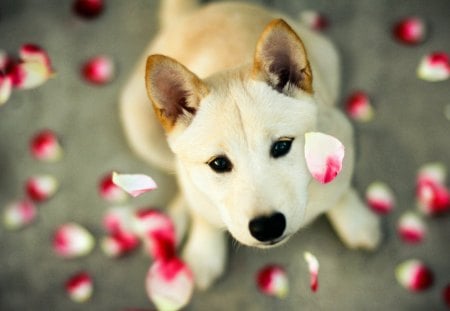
column 414, row 275
column 118, row 219
column 88, row 8
column 34, row 53
column 5, row 88
column 434, row 172
column 72, row 240
column 410, row 30
column 272, row 280
column 134, row 184
column 380, row 198
column 109, row 191
column 313, row 266
column 411, row 228
column 41, row 187
column 79, row 287
column 45, row 146
column 432, row 198
column 169, row 284
column 19, row 214
column 98, row 70
column 434, row 67
column 359, row 107
column 314, row 20
column 324, row 155
column 30, row 75
column 119, row 243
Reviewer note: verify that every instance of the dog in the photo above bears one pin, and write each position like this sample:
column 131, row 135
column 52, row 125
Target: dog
column 234, row 88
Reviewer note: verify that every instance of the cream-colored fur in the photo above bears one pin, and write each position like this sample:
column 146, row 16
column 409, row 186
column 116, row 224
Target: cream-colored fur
column 215, row 95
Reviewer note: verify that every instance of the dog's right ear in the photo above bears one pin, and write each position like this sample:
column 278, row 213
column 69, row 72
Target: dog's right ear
column 175, row 91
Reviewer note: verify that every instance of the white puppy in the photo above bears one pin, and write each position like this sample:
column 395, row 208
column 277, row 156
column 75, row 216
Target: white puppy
column 235, row 92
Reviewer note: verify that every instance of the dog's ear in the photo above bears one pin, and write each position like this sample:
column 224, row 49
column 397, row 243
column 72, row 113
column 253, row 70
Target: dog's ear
column 281, row 61
column 175, row 91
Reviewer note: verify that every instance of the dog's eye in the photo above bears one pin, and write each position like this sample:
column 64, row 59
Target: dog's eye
column 220, row 164
column 281, row 147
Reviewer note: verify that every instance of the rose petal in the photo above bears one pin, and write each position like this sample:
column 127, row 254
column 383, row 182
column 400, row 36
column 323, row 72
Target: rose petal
column 5, row 88
column 324, row 155
column 434, row 67
column 45, row 146
column 314, row 20
column 34, row 53
column 41, row 187
column 134, row 184
column 433, row 198
column 410, row 30
column 109, row 191
column 18, row 214
column 71, row 240
column 414, row 275
column 359, row 107
column 118, row 219
column 119, row 243
column 411, row 228
column 29, row 75
column 380, row 198
column 79, row 287
column 88, row 8
column 313, row 266
column 98, row 70
column 435, row 172
column 169, row 284
column 272, row 280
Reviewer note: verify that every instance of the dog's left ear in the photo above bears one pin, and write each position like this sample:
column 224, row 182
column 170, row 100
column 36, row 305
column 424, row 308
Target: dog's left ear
column 281, row 61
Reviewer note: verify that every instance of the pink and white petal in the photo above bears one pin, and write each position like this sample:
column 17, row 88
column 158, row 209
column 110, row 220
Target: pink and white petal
column 314, row 20
column 432, row 198
column 434, row 67
column 313, row 266
column 41, row 187
column 30, row 75
column 34, row 53
column 71, row 240
column 169, row 284
column 5, row 88
column 19, row 214
column 118, row 219
column 410, row 30
column 358, row 107
column 435, row 172
column 45, row 146
column 134, row 184
column 411, row 228
column 272, row 280
column 88, row 8
column 380, row 198
column 119, row 243
column 324, row 155
column 414, row 275
column 99, row 70
column 109, row 191
column 79, row 287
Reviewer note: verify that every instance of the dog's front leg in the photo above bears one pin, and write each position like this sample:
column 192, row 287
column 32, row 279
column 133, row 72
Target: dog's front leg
column 205, row 251
column 356, row 225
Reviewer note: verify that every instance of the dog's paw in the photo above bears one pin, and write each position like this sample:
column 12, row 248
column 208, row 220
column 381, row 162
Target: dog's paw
column 365, row 234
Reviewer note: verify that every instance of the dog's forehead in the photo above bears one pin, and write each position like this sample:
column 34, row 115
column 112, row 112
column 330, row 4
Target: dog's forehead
column 243, row 114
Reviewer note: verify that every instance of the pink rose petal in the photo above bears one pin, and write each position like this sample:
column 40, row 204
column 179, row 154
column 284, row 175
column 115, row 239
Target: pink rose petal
column 88, row 8
column 434, row 67
column 45, row 146
column 19, row 214
column 433, row 198
column 313, row 266
column 98, row 70
column 29, row 75
column 118, row 219
column 314, row 20
column 134, row 184
column 169, row 284
column 411, row 228
column 5, row 88
column 119, row 243
column 34, row 53
column 109, row 191
column 324, row 155
column 272, row 280
column 41, row 187
column 79, row 287
column 71, row 240
column 380, row 198
column 434, row 172
column 410, row 30
column 359, row 107
column 414, row 275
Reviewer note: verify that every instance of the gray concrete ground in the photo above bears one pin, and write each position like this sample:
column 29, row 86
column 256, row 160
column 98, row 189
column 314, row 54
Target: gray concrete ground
column 409, row 129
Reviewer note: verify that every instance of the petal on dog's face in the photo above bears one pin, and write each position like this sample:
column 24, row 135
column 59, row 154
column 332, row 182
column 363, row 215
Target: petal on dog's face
column 241, row 120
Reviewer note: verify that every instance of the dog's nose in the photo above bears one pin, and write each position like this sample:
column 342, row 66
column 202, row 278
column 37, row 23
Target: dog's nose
column 267, row 228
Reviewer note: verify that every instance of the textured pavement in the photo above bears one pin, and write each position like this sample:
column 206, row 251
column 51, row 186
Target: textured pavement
column 409, row 129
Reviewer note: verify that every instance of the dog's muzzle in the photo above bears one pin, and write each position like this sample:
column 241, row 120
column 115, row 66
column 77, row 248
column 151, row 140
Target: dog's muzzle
column 268, row 229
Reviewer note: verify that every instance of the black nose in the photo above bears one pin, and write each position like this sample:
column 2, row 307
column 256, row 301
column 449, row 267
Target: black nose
column 267, row 228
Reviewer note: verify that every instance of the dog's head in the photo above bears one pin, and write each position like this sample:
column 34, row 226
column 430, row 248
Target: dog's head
column 239, row 136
